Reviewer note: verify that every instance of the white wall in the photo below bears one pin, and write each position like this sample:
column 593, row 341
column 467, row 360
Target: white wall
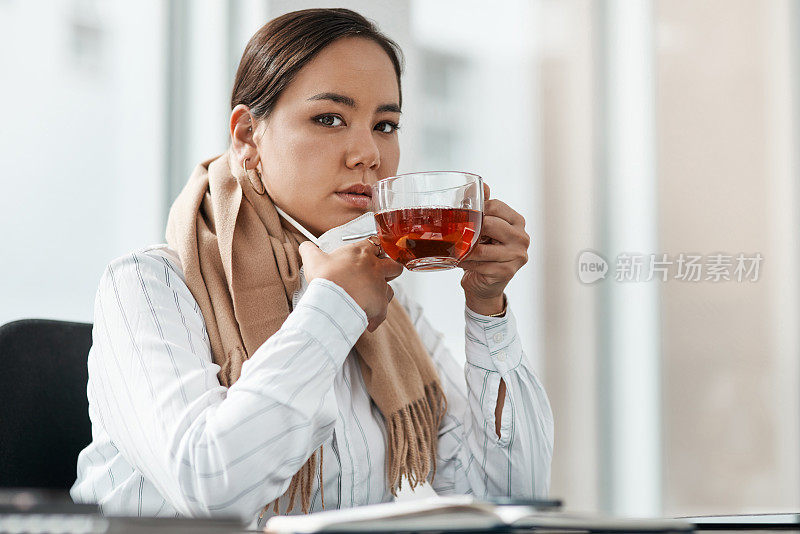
column 81, row 179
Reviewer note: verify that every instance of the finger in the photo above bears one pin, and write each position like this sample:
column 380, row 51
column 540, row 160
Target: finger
column 495, row 253
column 503, row 232
column 481, row 267
column 492, row 269
column 487, row 192
column 369, row 246
column 498, row 208
column 310, row 252
column 390, row 268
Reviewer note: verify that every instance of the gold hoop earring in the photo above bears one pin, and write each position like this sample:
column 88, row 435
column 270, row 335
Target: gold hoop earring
column 254, row 178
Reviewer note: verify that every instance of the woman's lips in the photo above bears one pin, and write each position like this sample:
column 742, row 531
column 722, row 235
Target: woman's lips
column 359, row 201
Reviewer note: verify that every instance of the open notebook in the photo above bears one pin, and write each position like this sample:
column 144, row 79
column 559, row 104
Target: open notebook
column 746, row 521
column 458, row 513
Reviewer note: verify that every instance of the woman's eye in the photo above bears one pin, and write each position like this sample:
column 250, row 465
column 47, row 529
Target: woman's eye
column 387, row 127
column 329, row 120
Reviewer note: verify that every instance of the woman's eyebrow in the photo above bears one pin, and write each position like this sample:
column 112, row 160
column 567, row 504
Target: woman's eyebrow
column 349, row 102
column 394, row 108
column 335, row 97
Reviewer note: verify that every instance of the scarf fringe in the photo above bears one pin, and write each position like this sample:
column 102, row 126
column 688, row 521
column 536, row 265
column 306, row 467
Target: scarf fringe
column 301, row 484
column 413, row 433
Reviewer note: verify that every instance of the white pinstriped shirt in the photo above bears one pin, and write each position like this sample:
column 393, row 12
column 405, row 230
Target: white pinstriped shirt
column 169, row 440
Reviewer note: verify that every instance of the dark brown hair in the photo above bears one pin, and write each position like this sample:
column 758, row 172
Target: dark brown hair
column 284, row 45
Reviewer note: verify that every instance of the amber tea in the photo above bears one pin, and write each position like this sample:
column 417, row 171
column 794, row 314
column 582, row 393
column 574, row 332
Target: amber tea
column 428, row 238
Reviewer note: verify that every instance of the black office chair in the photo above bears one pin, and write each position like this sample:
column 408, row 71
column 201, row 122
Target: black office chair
column 44, row 413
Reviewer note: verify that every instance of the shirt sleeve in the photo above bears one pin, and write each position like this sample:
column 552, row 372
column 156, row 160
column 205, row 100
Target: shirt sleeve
column 471, row 459
column 211, row 450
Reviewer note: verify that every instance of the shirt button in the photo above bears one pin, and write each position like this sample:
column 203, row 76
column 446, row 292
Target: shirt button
column 498, row 337
column 501, row 356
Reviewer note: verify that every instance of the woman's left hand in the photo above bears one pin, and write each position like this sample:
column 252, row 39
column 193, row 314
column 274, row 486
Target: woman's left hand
column 501, row 251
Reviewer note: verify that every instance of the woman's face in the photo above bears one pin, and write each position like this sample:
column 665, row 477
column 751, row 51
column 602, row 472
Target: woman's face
column 332, row 132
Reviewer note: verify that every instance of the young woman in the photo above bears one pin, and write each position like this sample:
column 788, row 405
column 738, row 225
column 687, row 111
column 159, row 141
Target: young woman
column 259, row 364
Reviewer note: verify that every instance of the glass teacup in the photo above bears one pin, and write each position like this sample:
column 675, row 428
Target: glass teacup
column 428, row 221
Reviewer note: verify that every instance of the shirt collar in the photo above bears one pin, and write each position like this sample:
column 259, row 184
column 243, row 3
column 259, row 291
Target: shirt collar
column 332, row 239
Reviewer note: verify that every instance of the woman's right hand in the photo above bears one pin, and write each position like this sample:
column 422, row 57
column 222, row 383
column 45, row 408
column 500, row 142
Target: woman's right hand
column 357, row 269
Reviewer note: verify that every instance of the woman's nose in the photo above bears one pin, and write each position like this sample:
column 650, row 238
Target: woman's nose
column 363, row 151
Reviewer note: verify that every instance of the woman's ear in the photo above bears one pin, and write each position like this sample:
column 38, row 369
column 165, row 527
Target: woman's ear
column 243, row 142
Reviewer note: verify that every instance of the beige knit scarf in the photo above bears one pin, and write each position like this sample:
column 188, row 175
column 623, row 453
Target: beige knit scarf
column 242, row 265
